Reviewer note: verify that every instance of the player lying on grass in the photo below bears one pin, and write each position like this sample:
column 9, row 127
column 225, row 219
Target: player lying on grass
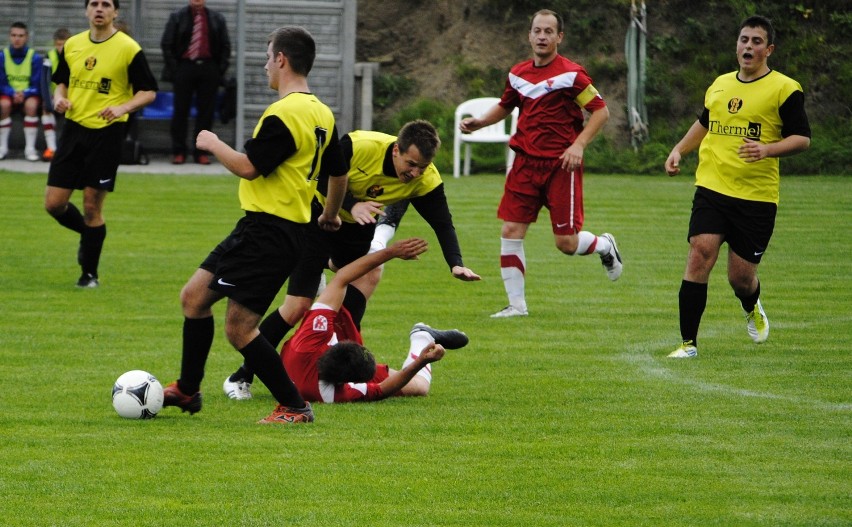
column 326, row 357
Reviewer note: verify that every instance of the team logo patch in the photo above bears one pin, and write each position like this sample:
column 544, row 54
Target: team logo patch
column 734, row 105
column 320, row 323
column 90, row 63
column 375, row 191
column 549, row 85
column 104, row 85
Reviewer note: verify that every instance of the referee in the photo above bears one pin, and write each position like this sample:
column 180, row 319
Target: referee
column 101, row 78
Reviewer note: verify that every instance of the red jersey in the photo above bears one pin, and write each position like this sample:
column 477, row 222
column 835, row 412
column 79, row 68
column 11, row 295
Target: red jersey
column 323, row 327
column 551, row 99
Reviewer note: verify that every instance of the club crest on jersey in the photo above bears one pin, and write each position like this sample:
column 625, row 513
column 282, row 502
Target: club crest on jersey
column 320, row 323
column 549, row 86
column 375, row 191
column 734, row 105
column 90, row 63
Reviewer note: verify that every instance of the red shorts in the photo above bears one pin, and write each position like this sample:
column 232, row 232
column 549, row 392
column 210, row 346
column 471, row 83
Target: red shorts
column 535, row 182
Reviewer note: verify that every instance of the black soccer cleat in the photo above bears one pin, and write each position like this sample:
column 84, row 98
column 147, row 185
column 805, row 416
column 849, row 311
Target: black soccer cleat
column 451, row 339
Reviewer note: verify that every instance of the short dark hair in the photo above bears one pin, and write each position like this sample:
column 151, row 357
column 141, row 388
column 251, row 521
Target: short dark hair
column 559, row 23
column 19, row 25
column 421, row 134
column 62, row 34
column 297, row 44
column 114, row 3
column 346, row 361
column 763, row 23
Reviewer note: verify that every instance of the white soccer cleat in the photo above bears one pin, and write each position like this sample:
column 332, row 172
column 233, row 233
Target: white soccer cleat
column 611, row 260
column 687, row 350
column 757, row 324
column 32, row 155
column 510, row 311
column 238, row 390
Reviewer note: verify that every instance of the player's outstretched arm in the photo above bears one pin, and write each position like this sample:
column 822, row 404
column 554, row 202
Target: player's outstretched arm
column 335, row 291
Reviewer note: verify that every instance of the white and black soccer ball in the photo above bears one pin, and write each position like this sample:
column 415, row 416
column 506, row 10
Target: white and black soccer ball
column 137, row 395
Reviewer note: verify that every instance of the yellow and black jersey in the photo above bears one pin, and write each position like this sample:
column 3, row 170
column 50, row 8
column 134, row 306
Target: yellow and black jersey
column 765, row 110
column 294, row 139
column 101, row 74
column 372, row 176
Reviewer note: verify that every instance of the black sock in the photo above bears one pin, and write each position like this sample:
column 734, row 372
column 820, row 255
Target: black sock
column 244, row 373
column 197, row 339
column 274, row 328
column 91, row 245
column 71, row 219
column 748, row 302
column 356, row 303
column 692, row 300
column 264, row 360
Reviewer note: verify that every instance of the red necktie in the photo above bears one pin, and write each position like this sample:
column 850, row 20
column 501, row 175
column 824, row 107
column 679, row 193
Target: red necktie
column 195, row 44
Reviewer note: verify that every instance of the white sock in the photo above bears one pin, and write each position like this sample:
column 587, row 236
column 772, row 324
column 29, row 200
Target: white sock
column 419, row 340
column 588, row 243
column 513, row 268
column 381, row 237
column 5, row 130
column 48, row 125
column 30, row 133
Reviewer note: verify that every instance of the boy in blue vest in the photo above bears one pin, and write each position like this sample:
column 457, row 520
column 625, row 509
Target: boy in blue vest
column 20, row 87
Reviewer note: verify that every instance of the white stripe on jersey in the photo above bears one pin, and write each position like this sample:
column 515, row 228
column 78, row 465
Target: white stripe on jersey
column 534, row 91
column 326, row 390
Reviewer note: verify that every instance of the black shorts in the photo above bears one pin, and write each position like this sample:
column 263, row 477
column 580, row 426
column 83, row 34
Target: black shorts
column 254, row 261
column 87, row 157
column 746, row 225
column 342, row 247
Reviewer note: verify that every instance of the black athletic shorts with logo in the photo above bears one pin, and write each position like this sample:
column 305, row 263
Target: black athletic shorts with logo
column 343, row 246
column 746, row 225
column 87, row 157
column 251, row 265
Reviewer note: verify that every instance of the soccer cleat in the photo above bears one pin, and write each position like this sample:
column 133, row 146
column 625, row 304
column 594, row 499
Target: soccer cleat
column 88, row 280
column 32, row 155
column 172, row 396
column 611, row 260
column 4, row 153
column 757, row 324
column 47, row 155
column 239, row 390
column 687, row 350
column 287, row 415
column 451, row 339
column 510, row 311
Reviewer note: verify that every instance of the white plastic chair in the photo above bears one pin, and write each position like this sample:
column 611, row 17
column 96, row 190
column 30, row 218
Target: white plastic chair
column 496, row 133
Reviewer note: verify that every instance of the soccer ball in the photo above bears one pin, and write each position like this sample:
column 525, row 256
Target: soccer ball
column 137, row 395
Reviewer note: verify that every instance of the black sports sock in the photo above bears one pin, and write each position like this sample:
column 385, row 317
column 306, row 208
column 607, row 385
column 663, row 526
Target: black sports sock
column 274, row 328
column 692, row 300
column 356, row 303
column 91, row 245
column 244, row 373
column 748, row 302
column 71, row 219
column 264, row 360
column 197, row 339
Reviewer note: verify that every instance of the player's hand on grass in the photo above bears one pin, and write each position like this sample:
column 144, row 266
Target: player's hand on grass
column 464, row 274
column 408, row 249
column 365, row 212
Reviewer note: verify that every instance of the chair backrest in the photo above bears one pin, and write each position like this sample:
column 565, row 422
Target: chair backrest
column 475, row 108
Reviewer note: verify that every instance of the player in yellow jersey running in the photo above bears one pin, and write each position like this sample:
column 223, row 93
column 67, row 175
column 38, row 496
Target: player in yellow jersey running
column 294, row 140
column 751, row 117
column 102, row 78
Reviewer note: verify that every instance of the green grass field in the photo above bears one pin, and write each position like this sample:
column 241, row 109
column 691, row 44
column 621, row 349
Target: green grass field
column 571, row 416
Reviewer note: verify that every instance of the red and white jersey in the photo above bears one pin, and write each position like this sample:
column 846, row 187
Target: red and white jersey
column 323, row 327
column 551, row 99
